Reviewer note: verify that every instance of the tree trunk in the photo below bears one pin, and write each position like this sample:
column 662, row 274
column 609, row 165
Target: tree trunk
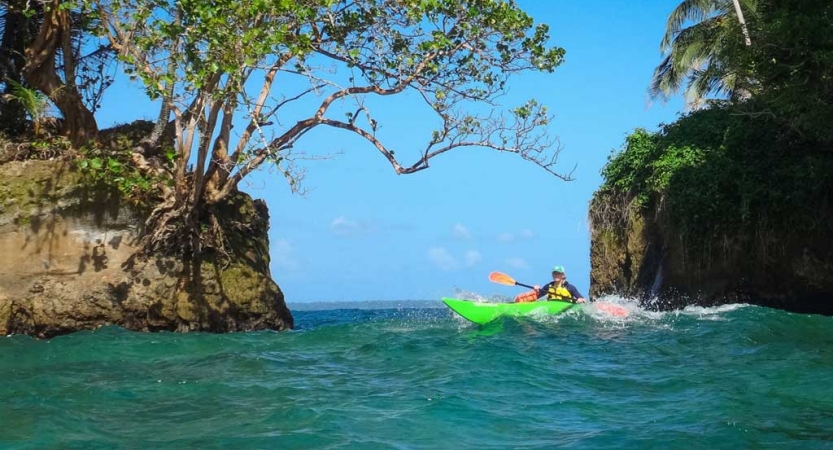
column 39, row 72
column 742, row 23
column 12, row 46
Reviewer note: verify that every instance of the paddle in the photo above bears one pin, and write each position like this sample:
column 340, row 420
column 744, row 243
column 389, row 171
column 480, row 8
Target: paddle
column 502, row 278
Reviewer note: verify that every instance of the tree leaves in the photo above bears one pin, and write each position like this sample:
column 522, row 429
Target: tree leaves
column 455, row 54
column 707, row 56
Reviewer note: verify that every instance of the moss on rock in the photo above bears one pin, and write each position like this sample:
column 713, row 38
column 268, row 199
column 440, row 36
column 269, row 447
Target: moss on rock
column 68, row 263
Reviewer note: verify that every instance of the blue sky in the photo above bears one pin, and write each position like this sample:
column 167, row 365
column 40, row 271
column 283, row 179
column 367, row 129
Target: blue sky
column 363, row 233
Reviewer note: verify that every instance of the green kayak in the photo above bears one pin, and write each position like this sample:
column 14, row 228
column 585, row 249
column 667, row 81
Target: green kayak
column 482, row 313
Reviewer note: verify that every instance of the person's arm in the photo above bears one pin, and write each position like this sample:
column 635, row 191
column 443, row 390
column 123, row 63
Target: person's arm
column 542, row 291
column 533, row 295
column 575, row 293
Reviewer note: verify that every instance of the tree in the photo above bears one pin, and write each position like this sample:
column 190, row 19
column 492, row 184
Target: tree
column 742, row 22
column 793, row 59
column 47, row 45
column 16, row 31
column 202, row 58
column 706, row 56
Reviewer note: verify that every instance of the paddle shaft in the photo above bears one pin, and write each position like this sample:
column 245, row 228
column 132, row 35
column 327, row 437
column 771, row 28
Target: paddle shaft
column 524, row 285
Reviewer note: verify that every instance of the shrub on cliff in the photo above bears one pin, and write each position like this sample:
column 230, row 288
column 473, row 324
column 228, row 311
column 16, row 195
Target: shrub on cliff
column 722, row 171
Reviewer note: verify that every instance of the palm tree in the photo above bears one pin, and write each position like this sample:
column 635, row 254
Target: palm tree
column 742, row 21
column 707, row 55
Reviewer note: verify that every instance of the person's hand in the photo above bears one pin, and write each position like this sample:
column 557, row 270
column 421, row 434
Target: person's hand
column 529, row 296
column 536, row 287
column 581, row 300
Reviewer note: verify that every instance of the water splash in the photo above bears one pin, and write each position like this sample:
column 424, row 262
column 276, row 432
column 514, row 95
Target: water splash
column 657, row 280
column 641, row 312
column 479, row 298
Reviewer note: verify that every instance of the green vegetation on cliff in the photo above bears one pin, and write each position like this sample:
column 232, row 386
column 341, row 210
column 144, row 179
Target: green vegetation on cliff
column 717, row 170
column 727, row 206
column 732, row 201
column 758, row 164
column 781, row 54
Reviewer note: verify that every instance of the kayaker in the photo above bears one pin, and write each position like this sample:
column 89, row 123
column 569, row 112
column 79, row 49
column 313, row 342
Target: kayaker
column 557, row 289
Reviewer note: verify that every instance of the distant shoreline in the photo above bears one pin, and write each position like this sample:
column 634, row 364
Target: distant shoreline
column 368, row 304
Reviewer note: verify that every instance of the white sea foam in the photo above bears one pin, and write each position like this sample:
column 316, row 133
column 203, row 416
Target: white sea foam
column 642, row 312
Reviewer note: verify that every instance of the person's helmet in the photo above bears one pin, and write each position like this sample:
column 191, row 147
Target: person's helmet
column 559, row 269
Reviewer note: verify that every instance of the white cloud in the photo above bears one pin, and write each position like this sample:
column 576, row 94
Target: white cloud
column 505, row 237
column 283, row 256
column 343, row 226
column 516, row 263
column 472, row 257
column 461, row 232
column 442, row 258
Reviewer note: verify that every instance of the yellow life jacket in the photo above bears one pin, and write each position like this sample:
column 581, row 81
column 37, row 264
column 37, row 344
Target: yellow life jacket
column 559, row 293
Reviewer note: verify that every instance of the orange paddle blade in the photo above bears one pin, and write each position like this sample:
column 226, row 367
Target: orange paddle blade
column 501, row 278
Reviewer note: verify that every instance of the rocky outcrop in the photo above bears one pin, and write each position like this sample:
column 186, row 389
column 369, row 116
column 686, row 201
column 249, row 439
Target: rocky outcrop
column 723, row 205
column 66, row 263
column 640, row 253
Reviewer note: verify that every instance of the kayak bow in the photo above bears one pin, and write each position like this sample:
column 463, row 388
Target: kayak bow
column 483, row 313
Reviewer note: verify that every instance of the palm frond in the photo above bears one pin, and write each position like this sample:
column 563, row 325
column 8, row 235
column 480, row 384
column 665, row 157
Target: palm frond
column 691, row 49
column 33, row 101
column 665, row 80
column 688, row 10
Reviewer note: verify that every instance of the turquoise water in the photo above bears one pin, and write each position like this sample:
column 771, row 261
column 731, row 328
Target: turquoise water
column 419, row 378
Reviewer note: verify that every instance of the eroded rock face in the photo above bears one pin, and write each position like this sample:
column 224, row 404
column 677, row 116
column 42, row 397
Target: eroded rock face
column 65, row 264
column 639, row 254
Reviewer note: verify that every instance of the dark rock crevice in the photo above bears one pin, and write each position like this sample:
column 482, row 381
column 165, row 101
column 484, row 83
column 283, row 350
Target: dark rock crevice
column 791, row 272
